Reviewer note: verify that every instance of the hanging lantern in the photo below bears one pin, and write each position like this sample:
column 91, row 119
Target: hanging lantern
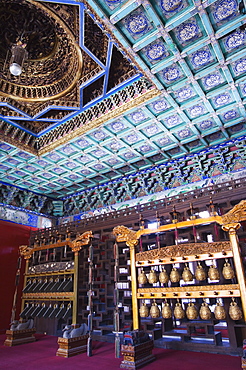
column 166, row 310
column 235, row 312
column 191, row 311
column 153, row 277
column 142, row 278
column 187, row 274
column 163, row 277
column 144, row 311
column 179, row 312
column 154, row 311
column 200, row 273
column 174, row 275
column 219, row 311
column 205, row 312
column 213, row 273
column 227, row 270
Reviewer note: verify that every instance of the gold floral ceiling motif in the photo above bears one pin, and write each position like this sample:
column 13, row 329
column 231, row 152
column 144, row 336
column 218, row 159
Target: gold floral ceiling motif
column 54, row 61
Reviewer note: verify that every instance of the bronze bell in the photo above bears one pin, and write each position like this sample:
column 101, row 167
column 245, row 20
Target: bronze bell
column 187, row 274
column 200, row 273
column 166, row 310
column 144, row 311
column 235, row 312
column 154, row 310
column 179, row 312
column 153, row 277
column 163, row 277
column 191, row 311
column 174, row 275
column 213, row 273
column 227, row 270
column 205, row 313
column 142, row 278
column 219, row 311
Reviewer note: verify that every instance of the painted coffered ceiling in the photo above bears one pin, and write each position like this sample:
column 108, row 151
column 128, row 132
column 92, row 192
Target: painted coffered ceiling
column 114, row 87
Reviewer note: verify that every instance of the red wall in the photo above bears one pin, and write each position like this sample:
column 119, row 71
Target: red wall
column 11, row 237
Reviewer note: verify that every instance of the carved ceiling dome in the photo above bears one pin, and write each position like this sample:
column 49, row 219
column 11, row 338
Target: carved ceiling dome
column 54, row 61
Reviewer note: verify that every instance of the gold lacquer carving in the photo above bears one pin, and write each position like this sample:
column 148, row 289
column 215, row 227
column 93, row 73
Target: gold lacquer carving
column 183, row 250
column 123, row 234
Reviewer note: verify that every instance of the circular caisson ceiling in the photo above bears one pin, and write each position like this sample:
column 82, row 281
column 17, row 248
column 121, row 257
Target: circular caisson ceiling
column 54, row 61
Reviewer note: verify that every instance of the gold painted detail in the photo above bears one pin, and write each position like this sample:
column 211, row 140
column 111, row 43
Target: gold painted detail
column 236, row 214
column 76, row 244
column 81, row 240
column 55, row 295
column 183, row 250
column 89, row 120
column 53, row 68
column 205, row 291
column 123, row 234
column 193, row 288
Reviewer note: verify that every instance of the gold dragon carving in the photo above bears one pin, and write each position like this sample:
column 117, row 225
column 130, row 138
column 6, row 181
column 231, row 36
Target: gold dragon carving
column 123, row 234
column 75, row 245
column 236, row 214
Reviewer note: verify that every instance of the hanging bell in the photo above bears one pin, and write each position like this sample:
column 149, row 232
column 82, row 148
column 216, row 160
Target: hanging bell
column 144, row 311
column 163, row 277
column 205, row 313
column 153, row 277
column 142, row 278
column 166, row 310
column 219, row 311
column 179, row 312
column 187, row 274
column 227, row 270
column 191, row 311
column 154, row 310
column 213, row 273
column 174, row 275
column 235, row 312
column 200, row 273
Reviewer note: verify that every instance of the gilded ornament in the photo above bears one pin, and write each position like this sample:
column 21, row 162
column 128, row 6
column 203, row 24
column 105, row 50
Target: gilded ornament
column 142, row 278
column 144, row 311
column 187, row 274
column 163, row 277
column 227, row 270
column 166, row 310
column 191, row 311
column 179, row 312
column 205, row 312
column 123, row 234
column 213, row 273
column 235, row 312
column 183, row 250
column 174, row 275
column 200, row 273
column 155, row 311
column 219, row 311
column 153, row 277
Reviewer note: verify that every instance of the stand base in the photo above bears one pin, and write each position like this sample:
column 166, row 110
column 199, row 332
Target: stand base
column 15, row 337
column 69, row 347
column 137, row 356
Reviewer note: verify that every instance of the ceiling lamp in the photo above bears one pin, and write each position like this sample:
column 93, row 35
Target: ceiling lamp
column 19, row 55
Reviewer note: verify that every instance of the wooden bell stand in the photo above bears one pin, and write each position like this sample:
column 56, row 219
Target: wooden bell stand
column 68, row 347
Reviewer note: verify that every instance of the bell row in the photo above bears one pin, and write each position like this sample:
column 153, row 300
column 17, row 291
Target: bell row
column 175, row 276
column 191, row 312
column 39, row 309
column 53, row 284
